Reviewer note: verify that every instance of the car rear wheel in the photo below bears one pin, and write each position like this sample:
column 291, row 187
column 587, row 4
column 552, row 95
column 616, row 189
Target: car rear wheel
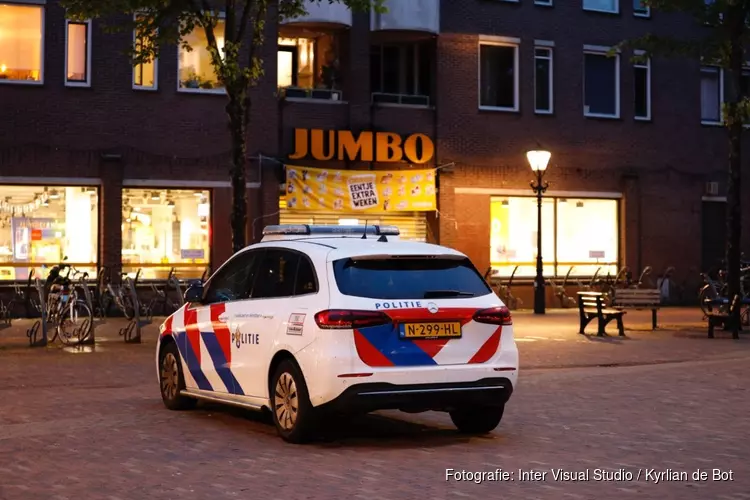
column 172, row 380
column 477, row 420
column 291, row 409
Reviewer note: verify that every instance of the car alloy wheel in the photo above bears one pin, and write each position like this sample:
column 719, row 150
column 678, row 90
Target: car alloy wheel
column 170, row 376
column 286, row 401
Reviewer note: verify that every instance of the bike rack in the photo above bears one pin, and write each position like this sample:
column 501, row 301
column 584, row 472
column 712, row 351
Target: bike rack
column 131, row 332
column 91, row 337
column 41, row 324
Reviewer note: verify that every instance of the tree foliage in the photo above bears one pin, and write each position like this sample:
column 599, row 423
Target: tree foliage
column 238, row 65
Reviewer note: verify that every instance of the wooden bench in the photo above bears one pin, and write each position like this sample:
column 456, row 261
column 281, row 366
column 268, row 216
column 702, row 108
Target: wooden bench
column 639, row 298
column 718, row 317
column 591, row 305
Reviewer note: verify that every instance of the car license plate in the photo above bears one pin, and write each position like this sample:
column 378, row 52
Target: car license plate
column 430, row 330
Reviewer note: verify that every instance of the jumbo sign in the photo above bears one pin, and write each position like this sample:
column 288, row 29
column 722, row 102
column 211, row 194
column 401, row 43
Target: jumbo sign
column 342, row 145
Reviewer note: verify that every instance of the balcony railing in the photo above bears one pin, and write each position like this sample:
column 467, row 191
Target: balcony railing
column 422, row 101
column 314, row 94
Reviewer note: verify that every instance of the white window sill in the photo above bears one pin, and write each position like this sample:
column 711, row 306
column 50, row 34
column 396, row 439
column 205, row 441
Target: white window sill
column 78, row 84
column 543, row 4
column 711, row 123
column 202, row 91
column 599, row 115
column 615, row 12
column 544, row 112
column 643, row 15
column 642, row 118
column 5, row 81
column 147, row 89
column 501, row 110
column 309, row 100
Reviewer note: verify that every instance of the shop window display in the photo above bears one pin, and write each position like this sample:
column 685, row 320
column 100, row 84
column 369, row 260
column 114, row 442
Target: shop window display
column 578, row 233
column 164, row 229
column 40, row 226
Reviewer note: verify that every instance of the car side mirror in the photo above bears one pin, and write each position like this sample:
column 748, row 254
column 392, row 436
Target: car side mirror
column 194, row 293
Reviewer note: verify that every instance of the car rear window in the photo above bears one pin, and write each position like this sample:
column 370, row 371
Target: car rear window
column 409, row 278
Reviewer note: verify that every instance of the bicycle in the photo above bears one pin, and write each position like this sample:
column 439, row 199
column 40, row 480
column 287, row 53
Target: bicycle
column 71, row 317
column 121, row 295
column 21, row 298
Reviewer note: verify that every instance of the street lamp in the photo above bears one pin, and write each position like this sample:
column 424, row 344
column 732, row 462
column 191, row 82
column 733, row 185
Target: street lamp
column 538, row 161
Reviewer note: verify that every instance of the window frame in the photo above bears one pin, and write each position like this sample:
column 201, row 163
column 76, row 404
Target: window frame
column 42, row 5
column 647, row 66
column 720, row 72
column 155, row 61
column 643, row 12
column 302, row 255
column 222, row 91
column 549, row 47
column 615, row 11
column 78, row 83
column 544, row 3
column 497, row 41
column 602, row 51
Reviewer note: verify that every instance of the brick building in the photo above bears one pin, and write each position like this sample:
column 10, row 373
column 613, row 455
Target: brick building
column 114, row 165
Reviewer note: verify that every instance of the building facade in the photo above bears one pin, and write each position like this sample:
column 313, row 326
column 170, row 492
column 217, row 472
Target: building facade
column 109, row 164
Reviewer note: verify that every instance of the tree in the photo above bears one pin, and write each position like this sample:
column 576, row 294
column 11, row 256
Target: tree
column 238, row 64
column 719, row 39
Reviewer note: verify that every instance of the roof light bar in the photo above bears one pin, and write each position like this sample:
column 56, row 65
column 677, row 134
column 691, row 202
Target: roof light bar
column 313, row 229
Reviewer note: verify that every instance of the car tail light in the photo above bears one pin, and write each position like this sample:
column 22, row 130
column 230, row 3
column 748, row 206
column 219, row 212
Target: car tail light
column 340, row 319
column 494, row 316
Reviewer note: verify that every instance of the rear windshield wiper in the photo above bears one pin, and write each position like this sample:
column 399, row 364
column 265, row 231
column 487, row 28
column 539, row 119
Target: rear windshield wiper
column 433, row 294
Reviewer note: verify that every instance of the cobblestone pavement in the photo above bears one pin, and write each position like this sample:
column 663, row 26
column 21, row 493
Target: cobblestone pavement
column 90, row 425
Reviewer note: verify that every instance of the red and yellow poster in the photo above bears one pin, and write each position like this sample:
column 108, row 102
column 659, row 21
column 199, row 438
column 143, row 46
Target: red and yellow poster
column 366, row 191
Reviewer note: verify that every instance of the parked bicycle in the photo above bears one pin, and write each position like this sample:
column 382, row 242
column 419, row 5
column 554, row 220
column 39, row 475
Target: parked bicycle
column 70, row 316
column 506, row 295
column 566, row 301
column 22, row 304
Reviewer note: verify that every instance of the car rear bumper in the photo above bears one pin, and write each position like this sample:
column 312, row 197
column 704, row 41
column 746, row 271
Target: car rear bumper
column 367, row 397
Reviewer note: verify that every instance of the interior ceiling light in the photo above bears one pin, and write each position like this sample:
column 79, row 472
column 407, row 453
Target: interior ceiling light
column 155, row 196
column 54, row 194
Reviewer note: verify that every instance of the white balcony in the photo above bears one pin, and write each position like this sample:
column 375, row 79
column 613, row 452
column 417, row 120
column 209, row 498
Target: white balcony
column 322, row 15
column 408, row 15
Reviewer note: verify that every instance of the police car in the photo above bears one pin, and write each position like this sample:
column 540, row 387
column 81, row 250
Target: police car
column 330, row 320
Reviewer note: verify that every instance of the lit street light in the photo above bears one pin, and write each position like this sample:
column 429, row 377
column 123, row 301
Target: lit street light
column 538, row 161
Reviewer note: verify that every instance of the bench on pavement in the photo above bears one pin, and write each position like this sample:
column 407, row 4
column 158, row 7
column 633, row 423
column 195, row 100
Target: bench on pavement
column 591, row 305
column 639, row 298
column 718, row 317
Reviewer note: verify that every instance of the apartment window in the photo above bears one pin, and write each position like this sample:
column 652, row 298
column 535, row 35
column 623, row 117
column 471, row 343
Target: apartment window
column 567, row 239
column 498, row 76
column 543, row 82
column 144, row 74
column 195, row 68
column 642, row 91
column 611, row 6
column 601, row 84
column 402, row 73
column 309, row 67
column 640, row 9
column 78, row 53
column 21, row 43
column 712, row 91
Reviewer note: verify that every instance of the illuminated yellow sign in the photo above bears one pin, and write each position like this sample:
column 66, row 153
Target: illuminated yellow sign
column 342, row 145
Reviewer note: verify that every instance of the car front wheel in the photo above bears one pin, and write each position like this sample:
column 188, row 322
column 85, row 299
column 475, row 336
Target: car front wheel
column 290, row 403
column 172, row 380
column 478, row 420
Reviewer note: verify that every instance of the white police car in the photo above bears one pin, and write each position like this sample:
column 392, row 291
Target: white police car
column 317, row 320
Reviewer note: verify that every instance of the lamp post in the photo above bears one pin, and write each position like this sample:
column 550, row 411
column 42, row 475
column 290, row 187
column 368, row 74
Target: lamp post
column 538, row 161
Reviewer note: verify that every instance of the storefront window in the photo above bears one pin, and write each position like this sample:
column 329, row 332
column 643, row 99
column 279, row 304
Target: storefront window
column 164, row 229
column 41, row 226
column 577, row 233
column 513, row 235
